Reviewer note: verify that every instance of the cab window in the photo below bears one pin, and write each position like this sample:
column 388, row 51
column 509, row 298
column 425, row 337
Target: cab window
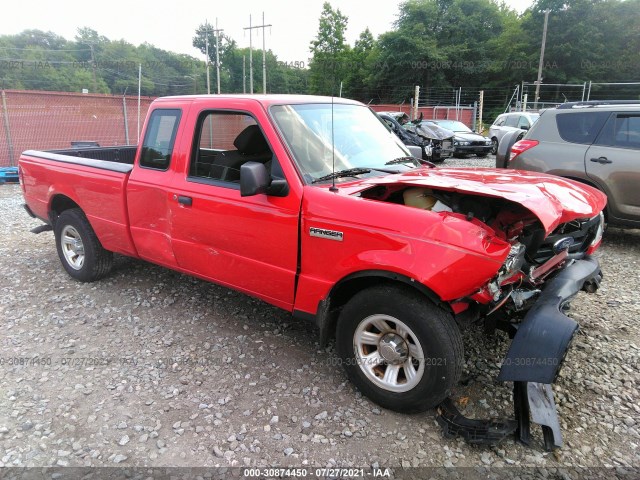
column 157, row 146
column 223, row 142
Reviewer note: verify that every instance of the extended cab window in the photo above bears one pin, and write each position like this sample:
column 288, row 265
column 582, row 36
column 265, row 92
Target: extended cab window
column 223, row 142
column 159, row 138
column 580, row 127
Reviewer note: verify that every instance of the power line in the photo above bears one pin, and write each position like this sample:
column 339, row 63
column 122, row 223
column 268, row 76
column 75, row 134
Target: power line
column 264, row 61
column 217, row 33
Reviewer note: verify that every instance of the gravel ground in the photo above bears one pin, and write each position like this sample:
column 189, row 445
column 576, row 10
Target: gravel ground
column 150, row 368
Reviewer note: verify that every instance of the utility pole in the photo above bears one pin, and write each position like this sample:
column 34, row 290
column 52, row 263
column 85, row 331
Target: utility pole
column 139, row 91
column 93, row 67
column 481, row 106
column 217, row 33
column 544, row 41
column 264, row 61
column 244, row 74
column 206, row 52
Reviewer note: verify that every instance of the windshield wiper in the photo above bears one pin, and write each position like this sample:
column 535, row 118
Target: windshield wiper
column 352, row 172
column 402, row 160
column 414, row 160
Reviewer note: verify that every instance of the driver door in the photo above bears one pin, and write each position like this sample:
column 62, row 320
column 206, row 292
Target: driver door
column 248, row 243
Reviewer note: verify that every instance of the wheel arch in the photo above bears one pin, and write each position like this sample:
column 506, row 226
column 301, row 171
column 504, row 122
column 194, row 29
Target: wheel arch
column 58, row 204
column 329, row 308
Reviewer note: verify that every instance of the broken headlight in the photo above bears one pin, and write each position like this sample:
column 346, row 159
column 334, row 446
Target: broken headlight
column 513, row 263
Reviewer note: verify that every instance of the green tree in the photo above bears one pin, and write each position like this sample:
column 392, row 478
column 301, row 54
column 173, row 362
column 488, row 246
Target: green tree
column 362, row 60
column 329, row 64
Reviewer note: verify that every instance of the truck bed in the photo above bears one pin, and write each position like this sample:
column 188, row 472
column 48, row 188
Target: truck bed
column 119, row 159
column 94, row 178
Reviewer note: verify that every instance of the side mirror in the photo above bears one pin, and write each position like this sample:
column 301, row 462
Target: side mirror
column 524, row 127
column 254, row 179
column 415, row 151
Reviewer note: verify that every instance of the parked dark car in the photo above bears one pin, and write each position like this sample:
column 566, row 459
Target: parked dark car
column 466, row 141
column 597, row 143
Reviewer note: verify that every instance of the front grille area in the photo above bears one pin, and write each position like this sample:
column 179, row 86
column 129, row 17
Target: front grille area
column 580, row 234
column 478, row 143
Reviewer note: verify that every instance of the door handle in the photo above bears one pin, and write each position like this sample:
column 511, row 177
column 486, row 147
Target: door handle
column 184, row 200
column 601, row 160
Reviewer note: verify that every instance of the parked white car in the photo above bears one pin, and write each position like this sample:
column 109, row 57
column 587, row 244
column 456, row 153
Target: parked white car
column 508, row 122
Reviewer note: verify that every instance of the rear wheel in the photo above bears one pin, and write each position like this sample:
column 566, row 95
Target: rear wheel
column 79, row 249
column 398, row 348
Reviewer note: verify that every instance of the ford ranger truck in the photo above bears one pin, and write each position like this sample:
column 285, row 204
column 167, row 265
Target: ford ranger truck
column 312, row 205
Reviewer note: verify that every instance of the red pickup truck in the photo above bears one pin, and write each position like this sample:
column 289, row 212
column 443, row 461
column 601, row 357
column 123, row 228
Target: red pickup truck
column 313, row 205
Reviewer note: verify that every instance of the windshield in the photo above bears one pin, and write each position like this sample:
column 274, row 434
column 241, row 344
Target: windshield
column 453, row 125
column 360, row 139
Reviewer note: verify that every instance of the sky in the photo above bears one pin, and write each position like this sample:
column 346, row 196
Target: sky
column 171, row 26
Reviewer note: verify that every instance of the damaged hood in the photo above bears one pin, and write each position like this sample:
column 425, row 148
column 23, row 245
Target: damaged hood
column 552, row 199
column 431, row 130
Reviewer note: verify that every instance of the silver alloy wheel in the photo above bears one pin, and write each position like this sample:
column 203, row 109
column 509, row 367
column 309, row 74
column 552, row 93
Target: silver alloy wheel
column 388, row 353
column 72, row 247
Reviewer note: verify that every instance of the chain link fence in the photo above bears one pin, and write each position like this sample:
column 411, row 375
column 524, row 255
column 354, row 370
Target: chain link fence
column 52, row 120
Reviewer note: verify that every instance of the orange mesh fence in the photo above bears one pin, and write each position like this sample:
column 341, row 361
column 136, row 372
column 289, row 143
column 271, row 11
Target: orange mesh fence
column 52, row 120
column 462, row 114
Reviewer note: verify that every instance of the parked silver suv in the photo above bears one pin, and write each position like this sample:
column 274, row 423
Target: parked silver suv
column 510, row 122
column 597, row 143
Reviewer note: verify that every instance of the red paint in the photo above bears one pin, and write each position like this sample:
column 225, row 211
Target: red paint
column 261, row 244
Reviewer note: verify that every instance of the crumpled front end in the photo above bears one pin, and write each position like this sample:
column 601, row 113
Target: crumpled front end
column 528, row 299
column 549, row 227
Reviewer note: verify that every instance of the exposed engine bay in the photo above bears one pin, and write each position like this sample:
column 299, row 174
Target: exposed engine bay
column 533, row 258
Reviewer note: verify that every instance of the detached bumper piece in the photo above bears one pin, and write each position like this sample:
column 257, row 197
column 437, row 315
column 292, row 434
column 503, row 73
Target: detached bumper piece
column 477, row 432
column 532, row 364
column 536, row 399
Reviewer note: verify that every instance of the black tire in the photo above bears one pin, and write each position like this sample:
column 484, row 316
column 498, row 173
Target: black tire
column 430, row 327
column 482, row 155
column 494, row 146
column 94, row 262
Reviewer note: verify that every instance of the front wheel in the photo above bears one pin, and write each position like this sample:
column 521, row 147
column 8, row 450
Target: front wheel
column 399, row 349
column 79, row 249
column 494, row 146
